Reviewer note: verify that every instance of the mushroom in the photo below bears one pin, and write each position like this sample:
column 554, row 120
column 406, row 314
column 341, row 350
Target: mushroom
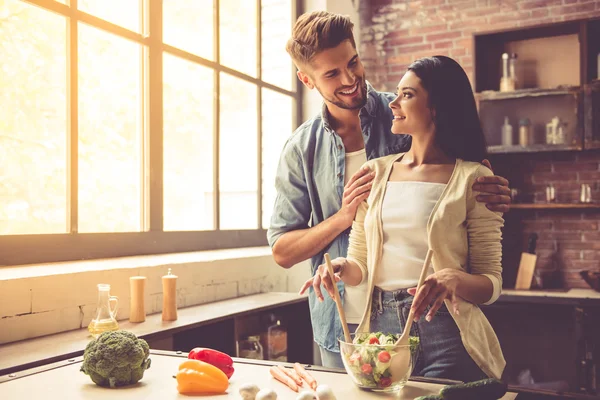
column 248, row 391
column 266, row 394
column 324, row 392
column 306, row 395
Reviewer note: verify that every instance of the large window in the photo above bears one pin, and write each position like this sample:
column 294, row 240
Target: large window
column 140, row 126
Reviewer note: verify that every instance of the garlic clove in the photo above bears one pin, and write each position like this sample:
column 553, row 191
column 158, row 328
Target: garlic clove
column 248, row 391
column 306, row 395
column 266, row 394
column 324, row 392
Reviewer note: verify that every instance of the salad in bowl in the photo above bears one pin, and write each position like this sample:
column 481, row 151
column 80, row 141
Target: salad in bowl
column 367, row 360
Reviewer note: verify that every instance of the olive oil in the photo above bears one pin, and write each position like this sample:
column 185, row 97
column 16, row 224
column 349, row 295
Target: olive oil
column 97, row 327
column 106, row 316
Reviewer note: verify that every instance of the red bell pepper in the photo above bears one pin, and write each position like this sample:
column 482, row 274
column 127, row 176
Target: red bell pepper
column 213, row 357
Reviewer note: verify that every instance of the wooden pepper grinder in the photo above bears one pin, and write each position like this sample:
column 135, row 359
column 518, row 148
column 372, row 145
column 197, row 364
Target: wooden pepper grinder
column 169, row 284
column 137, row 311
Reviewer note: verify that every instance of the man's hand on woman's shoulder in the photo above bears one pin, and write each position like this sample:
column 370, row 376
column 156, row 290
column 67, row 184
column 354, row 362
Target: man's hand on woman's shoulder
column 494, row 191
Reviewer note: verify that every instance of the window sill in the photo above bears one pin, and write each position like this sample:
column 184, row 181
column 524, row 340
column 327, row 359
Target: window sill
column 107, row 264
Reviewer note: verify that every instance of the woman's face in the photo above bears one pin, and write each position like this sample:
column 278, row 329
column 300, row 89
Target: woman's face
column 412, row 114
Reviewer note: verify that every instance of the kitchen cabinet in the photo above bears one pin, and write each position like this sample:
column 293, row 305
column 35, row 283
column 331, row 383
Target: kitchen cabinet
column 553, row 334
column 565, row 103
column 556, row 77
column 592, row 115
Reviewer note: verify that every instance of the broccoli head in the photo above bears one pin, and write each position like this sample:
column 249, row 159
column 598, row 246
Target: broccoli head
column 116, row 358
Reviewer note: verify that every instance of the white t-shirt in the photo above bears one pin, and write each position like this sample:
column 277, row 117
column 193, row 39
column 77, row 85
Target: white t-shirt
column 355, row 298
column 405, row 211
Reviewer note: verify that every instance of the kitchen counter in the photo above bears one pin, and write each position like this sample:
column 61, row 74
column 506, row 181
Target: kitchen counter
column 534, row 296
column 32, row 352
column 64, row 381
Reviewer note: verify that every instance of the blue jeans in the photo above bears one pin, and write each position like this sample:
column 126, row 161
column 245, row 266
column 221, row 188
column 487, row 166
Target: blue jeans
column 332, row 359
column 441, row 353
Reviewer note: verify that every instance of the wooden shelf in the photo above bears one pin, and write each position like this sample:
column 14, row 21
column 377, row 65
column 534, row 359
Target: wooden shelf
column 534, row 148
column 490, row 95
column 555, row 206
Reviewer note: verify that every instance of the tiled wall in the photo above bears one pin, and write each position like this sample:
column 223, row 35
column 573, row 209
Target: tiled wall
column 396, row 32
column 41, row 305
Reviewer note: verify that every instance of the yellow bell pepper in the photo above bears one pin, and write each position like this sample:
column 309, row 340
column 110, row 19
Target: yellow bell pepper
column 197, row 377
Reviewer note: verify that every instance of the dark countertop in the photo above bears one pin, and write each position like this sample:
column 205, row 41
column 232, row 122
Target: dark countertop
column 575, row 297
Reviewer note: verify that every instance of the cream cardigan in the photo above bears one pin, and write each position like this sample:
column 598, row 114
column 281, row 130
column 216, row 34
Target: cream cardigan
column 462, row 233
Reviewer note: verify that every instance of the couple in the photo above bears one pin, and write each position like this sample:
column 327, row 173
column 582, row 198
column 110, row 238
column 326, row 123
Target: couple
column 423, row 188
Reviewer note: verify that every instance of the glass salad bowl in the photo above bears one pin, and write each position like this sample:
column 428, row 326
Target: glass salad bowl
column 367, row 360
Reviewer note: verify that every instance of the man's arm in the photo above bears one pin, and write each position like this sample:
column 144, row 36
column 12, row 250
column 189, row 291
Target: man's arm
column 296, row 246
column 495, row 192
column 291, row 246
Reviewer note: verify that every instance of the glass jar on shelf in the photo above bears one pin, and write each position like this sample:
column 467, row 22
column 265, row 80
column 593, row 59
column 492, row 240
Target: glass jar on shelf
column 250, row 348
column 525, row 132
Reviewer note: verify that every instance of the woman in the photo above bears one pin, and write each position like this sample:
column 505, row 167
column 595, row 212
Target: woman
column 423, row 200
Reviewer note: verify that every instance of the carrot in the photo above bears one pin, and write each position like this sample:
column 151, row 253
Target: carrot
column 283, row 378
column 292, row 374
column 306, row 376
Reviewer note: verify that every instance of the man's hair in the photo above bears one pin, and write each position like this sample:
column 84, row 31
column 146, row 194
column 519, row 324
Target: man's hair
column 317, row 31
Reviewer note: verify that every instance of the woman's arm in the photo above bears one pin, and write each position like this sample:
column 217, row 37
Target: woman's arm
column 482, row 283
column 357, row 248
column 484, row 230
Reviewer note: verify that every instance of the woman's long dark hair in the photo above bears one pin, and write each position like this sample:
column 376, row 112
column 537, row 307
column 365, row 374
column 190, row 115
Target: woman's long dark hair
column 458, row 129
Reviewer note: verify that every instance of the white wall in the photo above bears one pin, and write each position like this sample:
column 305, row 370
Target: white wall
column 44, row 299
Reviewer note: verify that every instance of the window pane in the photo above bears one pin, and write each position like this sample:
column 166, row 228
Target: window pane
column 238, row 154
column 188, row 146
column 33, row 177
column 125, row 13
column 276, row 29
column 188, row 25
column 277, row 126
column 237, row 22
column 110, row 162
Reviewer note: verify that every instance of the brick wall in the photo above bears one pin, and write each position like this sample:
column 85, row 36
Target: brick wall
column 396, row 32
column 568, row 239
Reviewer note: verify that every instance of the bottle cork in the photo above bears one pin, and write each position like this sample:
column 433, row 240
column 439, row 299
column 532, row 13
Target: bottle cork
column 169, row 310
column 137, row 310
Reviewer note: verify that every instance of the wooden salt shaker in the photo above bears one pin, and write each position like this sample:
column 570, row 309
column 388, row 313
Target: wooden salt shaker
column 137, row 311
column 169, row 284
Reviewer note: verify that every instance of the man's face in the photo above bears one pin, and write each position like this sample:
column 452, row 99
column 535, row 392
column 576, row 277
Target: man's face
column 338, row 75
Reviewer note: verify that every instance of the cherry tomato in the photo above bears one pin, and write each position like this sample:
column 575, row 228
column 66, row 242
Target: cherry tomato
column 384, row 356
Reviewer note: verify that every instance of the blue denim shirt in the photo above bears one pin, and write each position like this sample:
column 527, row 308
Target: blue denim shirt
column 310, row 185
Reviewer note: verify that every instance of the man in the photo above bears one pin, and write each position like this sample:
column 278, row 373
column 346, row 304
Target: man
column 319, row 184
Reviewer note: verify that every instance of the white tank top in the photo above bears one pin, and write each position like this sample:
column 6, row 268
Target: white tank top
column 355, row 298
column 405, row 211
